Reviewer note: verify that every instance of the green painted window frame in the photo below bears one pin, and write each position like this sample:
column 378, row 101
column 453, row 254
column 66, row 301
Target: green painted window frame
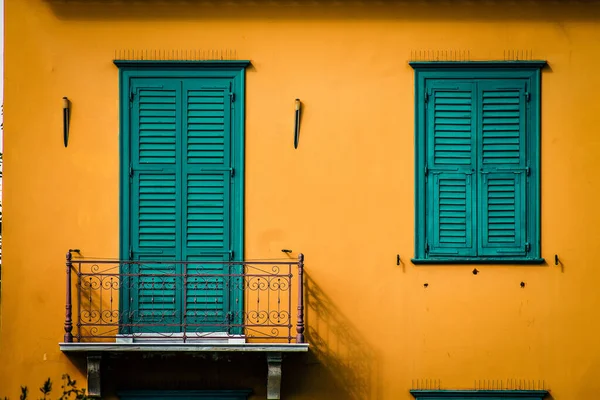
column 476, row 71
column 185, row 394
column 479, row 394
column 234, row 70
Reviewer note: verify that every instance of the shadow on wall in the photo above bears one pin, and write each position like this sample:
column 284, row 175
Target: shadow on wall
column 339, row 348
column 415, row 10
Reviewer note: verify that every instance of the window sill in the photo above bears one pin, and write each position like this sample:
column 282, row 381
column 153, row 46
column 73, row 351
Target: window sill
column 518, row 261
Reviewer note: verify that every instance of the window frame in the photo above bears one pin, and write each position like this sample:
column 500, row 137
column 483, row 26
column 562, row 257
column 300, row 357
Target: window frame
column 479, row 394
column 234, row 70
column 478, row 70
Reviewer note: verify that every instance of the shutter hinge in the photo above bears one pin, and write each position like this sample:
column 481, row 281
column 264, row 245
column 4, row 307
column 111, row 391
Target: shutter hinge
column 426, row 97
column 426, row 247
column 426, row 171
column 232, row 172
column 131, row 97
column 130, row 253
column 527, row 170
column 527, row 96
column 229, row 316
column 130, row 170
column 231, row 94
column 230, row 255
column 527, row 247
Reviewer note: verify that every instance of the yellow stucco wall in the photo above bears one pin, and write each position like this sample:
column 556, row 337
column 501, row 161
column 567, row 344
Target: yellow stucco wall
column 345, row 198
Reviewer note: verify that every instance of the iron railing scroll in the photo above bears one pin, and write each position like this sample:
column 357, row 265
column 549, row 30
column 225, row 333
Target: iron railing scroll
column 156, row 300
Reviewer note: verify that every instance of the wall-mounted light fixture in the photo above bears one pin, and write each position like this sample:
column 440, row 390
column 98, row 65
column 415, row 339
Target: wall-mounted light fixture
column 66, row 118
column 297, row 127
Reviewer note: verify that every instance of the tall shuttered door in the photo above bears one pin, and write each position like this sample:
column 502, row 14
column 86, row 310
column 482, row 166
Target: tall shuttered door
column 207, row 176
column 476, row 168
column 181, row 176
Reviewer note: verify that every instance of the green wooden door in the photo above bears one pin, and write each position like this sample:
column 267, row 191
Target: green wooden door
column 181, row 183
column 208, row 174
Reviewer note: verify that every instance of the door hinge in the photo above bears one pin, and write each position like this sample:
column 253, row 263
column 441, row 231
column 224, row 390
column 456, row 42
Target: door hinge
column 527, row 247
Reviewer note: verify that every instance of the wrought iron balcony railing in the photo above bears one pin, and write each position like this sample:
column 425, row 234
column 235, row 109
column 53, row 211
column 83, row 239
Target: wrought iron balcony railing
column 184, row 301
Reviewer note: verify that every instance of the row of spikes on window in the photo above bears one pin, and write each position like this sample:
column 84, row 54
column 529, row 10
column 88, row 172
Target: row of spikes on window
column 231, row 54
column 176, row 54
column 486, row 384
column 465, row 55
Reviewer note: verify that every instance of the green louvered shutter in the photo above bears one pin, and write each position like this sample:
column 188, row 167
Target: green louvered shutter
column 450, row 166
column 155, row 211
column 207, row 202
column 503, row 168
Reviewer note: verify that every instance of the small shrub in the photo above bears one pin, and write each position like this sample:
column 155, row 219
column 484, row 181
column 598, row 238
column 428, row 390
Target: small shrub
column 69, row 390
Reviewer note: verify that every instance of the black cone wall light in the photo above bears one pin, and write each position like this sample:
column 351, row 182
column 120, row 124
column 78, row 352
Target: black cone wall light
column 66, row 118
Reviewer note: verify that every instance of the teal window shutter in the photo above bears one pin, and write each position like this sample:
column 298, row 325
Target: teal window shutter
column 477, row 172
column 208, row 177
column 504, row 166
column 450, row 165
column 155, row 211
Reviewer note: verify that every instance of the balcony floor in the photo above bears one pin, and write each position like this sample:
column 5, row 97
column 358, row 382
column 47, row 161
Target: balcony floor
column 183, row 347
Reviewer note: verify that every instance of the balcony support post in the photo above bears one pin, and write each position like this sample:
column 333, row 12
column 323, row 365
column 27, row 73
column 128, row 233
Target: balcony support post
column 300, row 323
column 274, row 376
column 68, row 304
column 93, row 375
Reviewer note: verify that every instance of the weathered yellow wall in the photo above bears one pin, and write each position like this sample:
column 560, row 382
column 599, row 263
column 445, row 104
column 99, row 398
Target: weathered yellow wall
column 344, row 198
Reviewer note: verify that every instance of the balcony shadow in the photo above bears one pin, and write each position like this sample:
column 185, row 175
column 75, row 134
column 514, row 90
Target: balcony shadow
column 338, row 348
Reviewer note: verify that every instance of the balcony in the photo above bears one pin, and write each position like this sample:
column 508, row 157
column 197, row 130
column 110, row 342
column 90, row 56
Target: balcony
column 164, row 306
